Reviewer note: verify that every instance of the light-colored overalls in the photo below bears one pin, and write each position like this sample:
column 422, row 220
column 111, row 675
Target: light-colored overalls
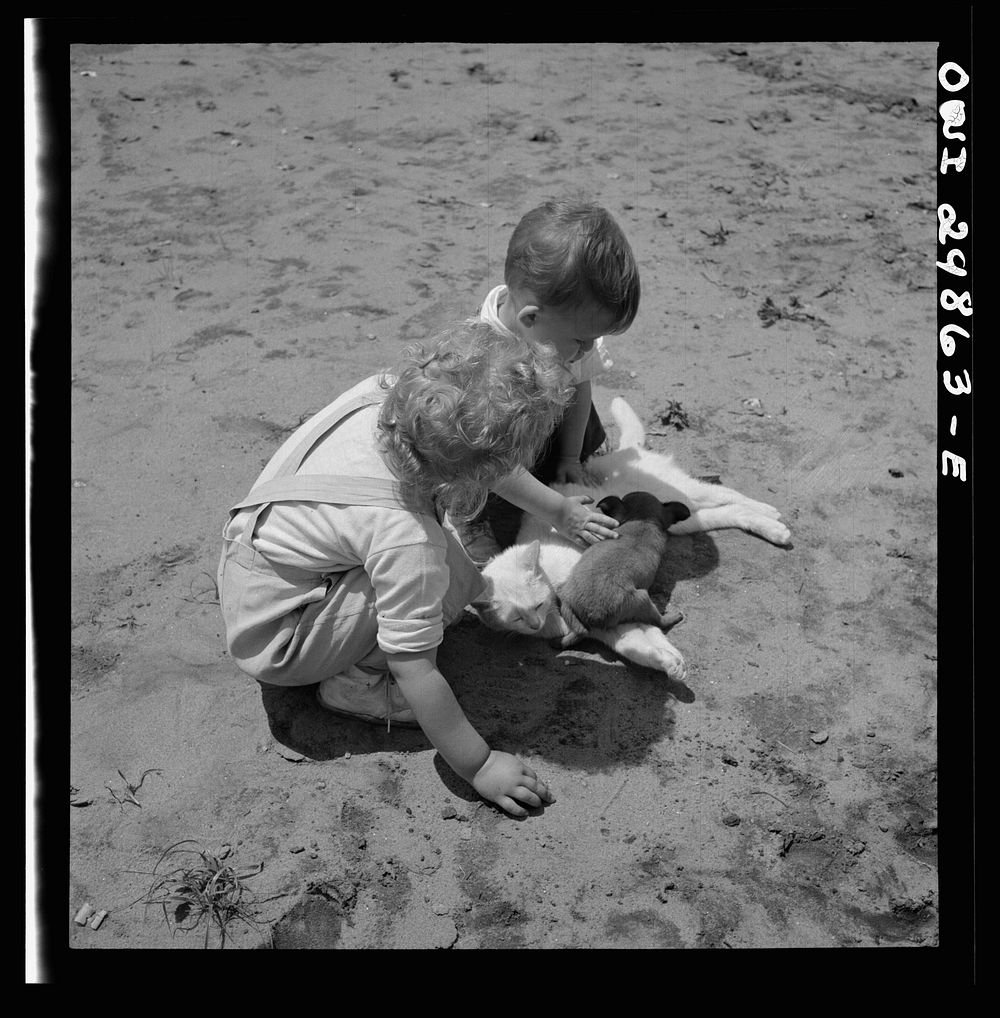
column 292, row 627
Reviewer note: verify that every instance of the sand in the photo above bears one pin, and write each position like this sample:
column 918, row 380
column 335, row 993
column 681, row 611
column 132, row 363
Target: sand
column 257, row 227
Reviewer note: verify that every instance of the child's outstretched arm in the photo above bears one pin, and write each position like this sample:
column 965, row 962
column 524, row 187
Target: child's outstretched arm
column 500, row 777
column 567, row 513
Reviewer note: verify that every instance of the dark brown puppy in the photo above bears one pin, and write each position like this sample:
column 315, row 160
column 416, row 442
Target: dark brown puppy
column 609, row 585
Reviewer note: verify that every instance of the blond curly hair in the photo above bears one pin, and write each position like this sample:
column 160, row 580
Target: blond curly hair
column 466, row 410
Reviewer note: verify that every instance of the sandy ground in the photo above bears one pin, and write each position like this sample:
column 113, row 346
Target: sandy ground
column 257, row 227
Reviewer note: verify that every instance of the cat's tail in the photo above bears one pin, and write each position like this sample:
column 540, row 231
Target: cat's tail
column 632, row 434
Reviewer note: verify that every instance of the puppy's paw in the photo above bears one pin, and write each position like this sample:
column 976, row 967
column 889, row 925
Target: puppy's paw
column 670, row 618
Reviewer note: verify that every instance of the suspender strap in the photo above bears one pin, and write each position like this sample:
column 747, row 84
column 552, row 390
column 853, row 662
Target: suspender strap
column 285, row 485
column 319, row 426
column 374, row 491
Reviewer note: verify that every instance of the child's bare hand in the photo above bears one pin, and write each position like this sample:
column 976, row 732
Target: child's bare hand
column 581, row 525
column 507, row 781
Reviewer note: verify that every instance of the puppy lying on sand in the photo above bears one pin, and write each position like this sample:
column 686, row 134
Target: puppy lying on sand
column 609, row 584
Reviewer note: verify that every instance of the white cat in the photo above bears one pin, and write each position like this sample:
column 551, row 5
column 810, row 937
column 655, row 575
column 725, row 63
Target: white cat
column 522, row 580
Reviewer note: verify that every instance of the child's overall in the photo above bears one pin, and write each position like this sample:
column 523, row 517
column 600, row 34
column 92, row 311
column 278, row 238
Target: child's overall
column 292, row 627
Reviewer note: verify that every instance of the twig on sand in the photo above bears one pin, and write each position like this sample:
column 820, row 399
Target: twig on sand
column 453, row 201
column 615, row 796
column 919, row 862
column 762, row 792
column 130, row 788
column 199, row 597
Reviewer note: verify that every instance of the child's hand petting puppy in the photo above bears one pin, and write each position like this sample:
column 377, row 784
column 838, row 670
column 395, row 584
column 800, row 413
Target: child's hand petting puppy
column 581, row 525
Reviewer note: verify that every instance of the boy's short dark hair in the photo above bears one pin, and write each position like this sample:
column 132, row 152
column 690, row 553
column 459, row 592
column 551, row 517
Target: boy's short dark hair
column 568, row 252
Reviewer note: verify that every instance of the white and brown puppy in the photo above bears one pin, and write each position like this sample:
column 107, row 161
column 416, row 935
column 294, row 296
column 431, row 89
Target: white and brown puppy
column 610, row 583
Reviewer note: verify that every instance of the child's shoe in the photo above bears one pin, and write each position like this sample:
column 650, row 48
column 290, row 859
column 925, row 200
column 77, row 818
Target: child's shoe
column 372, row 697
column 477, row 539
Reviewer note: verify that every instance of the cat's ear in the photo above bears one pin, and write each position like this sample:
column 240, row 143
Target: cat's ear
column 486, row 597
column 674, row 512
column 527, row 555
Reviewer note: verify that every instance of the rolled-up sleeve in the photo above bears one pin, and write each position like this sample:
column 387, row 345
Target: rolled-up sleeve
column 410, row 582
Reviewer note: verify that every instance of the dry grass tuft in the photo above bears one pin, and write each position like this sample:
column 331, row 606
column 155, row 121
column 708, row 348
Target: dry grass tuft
column 201, row 890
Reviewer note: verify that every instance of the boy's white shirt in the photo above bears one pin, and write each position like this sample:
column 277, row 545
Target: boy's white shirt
column 592, row 363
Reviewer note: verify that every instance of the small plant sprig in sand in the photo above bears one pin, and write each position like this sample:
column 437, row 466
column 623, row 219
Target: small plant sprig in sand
column 130, row 788
column 201, row 890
